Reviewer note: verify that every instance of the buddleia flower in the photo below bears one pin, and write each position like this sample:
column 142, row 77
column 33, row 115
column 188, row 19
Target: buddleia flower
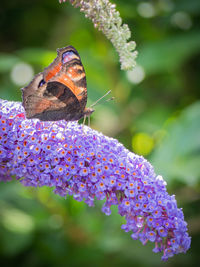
column 107, row 19
column 88, row 165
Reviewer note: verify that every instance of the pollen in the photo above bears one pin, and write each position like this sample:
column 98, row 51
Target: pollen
column 127, row 203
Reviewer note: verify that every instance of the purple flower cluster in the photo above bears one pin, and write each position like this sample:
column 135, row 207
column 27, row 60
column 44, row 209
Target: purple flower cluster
column 79, row 161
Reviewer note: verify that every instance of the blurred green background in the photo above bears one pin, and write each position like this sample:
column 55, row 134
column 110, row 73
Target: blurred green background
column 156, row 113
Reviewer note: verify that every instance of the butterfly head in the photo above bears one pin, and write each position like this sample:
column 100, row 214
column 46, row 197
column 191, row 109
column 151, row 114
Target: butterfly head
column 88, row 111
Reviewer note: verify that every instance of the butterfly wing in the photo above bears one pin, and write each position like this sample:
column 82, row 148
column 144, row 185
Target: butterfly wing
column 60, row 91
column 67, row 68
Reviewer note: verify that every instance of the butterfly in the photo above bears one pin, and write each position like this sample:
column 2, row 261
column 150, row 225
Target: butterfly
column 60, row 91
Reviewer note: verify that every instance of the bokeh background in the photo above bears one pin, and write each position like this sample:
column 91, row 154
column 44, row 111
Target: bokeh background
column 156, row 113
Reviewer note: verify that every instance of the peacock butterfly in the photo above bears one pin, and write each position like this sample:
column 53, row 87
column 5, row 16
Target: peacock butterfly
column 60, row 91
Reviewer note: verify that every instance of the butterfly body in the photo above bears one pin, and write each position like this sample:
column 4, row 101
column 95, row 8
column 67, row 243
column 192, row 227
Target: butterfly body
column 60, row 91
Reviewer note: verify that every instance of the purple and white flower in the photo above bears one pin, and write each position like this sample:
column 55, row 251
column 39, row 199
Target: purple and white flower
column 87, row 164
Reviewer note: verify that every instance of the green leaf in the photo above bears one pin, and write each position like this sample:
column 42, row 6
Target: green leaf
column 7, row 61
column 178, row 155
column 168, row 54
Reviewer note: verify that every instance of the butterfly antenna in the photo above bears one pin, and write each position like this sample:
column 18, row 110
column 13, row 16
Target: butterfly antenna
column 101, row 98
column 109, row 99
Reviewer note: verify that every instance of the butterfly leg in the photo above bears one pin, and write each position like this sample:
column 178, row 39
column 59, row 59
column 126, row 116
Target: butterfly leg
column 84, row 120
column 89, row 121
column 83, row 124
column 66, row 126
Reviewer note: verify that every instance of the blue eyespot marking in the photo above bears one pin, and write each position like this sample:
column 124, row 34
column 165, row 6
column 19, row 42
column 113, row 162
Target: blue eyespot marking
column 42, row 82
column 67, row 56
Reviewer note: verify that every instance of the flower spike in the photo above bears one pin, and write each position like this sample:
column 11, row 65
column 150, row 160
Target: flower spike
column 107, row 19
column 89, row 165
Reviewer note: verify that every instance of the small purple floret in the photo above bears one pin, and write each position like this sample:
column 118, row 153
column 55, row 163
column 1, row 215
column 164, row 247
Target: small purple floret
column 88, row 165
